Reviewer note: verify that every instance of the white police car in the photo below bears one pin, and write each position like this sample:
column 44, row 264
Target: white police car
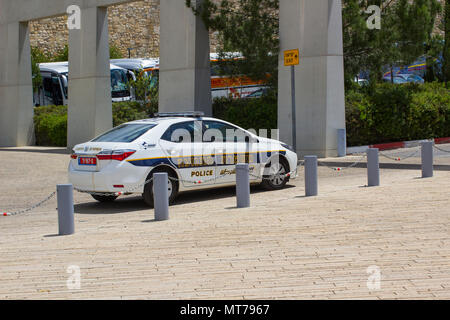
column 197, row 153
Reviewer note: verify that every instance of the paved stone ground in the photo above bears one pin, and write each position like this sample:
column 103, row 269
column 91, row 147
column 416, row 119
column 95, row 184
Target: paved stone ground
column 285, row 246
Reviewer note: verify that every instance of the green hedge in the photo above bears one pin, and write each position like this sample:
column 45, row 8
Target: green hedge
column 50, row 122
column 255, row 113
column 50, row 126
column 131, row 110
column 379, row 114
column 389, row 113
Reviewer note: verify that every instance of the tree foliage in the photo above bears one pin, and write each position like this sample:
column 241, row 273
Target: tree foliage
column 446, row 51
column 251, row 27
column 145, row 87
column 406, row 26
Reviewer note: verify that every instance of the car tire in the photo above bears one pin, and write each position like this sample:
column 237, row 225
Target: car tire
column 275, row 180
column 104, row 198
column 173, row 187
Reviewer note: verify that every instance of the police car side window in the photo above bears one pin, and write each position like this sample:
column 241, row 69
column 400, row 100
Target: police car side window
column 229, row 132
column 181, row 132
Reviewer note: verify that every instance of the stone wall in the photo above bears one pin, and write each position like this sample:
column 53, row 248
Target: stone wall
column 133, row 25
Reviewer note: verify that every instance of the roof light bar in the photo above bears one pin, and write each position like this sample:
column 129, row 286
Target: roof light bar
column 188, row 114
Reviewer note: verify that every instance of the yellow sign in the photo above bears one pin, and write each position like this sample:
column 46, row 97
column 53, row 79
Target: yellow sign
column 291, row 57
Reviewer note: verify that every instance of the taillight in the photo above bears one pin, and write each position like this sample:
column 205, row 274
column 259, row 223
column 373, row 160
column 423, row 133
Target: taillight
column 74, row 156
column 118, row 155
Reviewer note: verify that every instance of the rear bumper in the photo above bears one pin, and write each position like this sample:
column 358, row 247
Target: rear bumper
column 131, row 177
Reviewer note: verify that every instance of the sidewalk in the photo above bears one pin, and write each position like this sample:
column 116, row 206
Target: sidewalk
column 285, row 246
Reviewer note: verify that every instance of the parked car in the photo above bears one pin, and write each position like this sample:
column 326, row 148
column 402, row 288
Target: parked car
column 258, row 93
column 409, row 77
column 196, row 152
column 397, row 80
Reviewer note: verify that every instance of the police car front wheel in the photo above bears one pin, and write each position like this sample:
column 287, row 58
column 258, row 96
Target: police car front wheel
column 278, row 175
column 172, row 188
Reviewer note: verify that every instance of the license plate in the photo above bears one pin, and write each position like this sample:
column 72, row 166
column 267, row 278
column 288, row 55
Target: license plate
column 84, row 161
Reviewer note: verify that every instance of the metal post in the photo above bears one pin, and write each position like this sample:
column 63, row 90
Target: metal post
column 373, row 167
column 294, row 124
column 311, row 188
column 242, row 185
column 427, row 159
column 66, row 224
column 342, row 143
column 161, row 196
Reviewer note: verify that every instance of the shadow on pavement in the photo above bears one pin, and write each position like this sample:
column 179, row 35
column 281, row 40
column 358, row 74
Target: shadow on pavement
column 121, row 205
column 136, row 203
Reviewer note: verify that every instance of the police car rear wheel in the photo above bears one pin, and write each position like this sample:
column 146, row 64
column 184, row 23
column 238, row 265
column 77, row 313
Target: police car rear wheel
column 277, row 177
column 104, row 198
column 172, row 188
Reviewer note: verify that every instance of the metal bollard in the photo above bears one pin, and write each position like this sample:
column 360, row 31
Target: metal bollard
column 66, row 224
column 242, row 185
column 311, row 187
column 161, row 196
column 427, row 159
column 342, row 142
column 373, row 167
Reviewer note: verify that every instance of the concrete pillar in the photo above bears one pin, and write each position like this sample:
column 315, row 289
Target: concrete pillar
column 66, row 221
column 242, row 185
column 427, row 159
column 373, row 167
column 16, row 90
column 315, row 27
column 185, row 75
column 90, row 107
column 161, row 196
column 311, row 177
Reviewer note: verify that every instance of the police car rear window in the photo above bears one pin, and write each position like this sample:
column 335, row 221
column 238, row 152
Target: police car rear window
column 125, row 133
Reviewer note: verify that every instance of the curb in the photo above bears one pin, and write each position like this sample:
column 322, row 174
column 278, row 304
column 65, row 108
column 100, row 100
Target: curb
column 395, row 145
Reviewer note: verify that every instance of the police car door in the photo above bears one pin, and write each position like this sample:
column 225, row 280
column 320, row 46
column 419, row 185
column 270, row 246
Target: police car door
column 232, row 145
column 183, row 146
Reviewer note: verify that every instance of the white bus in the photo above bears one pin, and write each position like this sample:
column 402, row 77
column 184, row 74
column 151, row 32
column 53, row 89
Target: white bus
column 55, row 79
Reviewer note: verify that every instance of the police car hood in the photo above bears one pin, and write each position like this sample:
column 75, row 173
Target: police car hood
column 269, row 142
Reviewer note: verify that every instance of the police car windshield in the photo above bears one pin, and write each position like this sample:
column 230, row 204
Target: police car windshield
column 125, row 133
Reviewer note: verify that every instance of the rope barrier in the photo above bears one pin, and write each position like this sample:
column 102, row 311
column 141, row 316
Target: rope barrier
column 440, row 149
column 260, row 176
column 399, row 158
column 341, row 169
column 8, row 214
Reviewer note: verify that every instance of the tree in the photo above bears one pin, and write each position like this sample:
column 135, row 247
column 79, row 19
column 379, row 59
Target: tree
column 37, row 56
column 145, row 87
column 446, row 51
column 406, row 26
column 251, row 27
column 246, row 26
